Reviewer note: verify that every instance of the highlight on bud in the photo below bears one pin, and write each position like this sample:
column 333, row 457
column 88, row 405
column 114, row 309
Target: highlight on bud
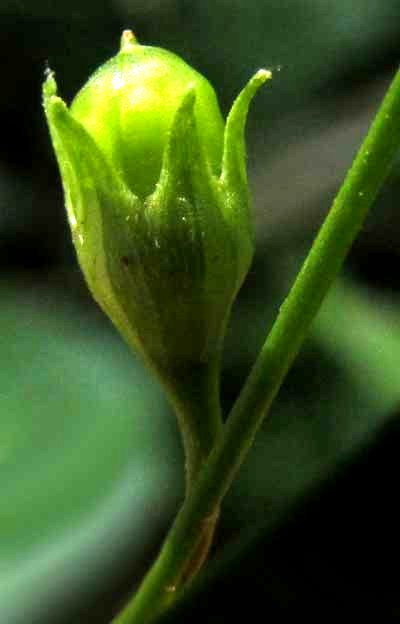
column 156, row 195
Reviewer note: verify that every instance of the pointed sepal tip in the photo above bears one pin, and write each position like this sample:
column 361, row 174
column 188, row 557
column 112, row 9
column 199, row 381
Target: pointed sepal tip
column 233, row 160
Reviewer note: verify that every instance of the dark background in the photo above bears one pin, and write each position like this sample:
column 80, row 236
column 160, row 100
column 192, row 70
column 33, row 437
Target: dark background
column 90, row 458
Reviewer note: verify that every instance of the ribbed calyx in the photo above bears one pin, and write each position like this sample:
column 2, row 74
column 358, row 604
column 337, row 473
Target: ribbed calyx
column 157, row 200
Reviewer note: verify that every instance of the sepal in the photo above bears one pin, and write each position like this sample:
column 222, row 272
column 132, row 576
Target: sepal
column 234, row 155
column 92, row 193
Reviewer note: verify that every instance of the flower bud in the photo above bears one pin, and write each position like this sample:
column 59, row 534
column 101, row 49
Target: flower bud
column 157, row 200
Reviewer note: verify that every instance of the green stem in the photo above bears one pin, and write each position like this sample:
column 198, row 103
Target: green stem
column 196, row 400
column 322, row 265
column 194, row 393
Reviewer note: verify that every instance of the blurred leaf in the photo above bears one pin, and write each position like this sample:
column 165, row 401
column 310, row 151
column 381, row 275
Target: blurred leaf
column 343, row 385
column 86, row 453
column 362, row 329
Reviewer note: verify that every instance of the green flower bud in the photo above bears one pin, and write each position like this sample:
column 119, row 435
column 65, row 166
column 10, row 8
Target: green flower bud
column 157, row 200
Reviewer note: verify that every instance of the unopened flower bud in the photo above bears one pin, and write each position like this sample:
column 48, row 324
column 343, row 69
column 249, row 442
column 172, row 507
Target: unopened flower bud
column 157, row 200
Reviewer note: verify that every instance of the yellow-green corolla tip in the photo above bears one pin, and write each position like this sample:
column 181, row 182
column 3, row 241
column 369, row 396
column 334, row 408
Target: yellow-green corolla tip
column 128, row 41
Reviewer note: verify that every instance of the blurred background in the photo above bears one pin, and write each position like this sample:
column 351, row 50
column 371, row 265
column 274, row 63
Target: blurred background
column 91, row 469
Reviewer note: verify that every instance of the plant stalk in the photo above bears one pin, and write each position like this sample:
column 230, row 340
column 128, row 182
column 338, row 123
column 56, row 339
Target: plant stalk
column 324, row 261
